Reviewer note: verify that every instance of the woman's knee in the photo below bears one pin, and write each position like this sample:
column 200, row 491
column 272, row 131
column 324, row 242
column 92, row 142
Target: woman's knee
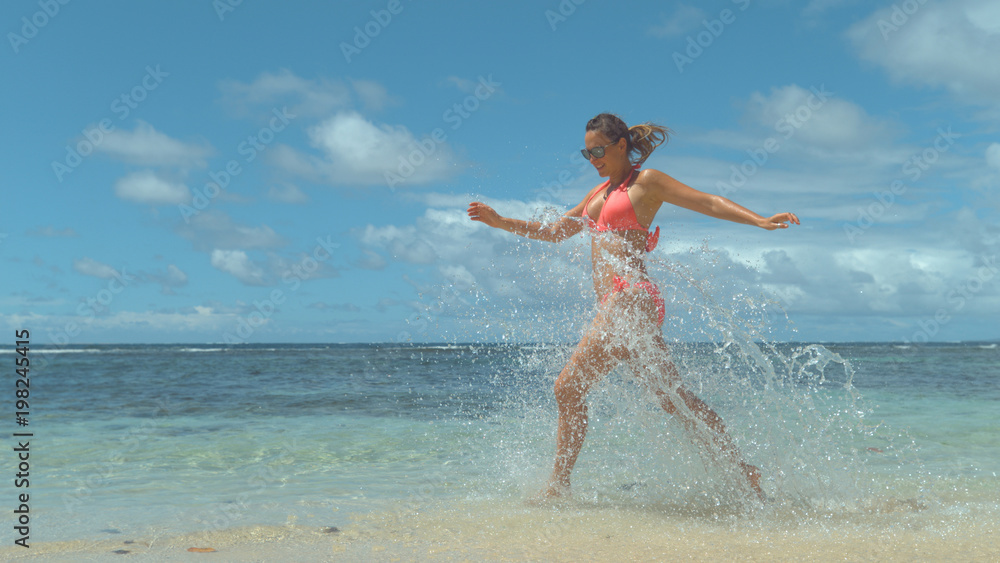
column 569, row 392
column 591, row 361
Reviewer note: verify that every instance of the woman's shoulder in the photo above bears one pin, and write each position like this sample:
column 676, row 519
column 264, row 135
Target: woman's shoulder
column 651, row 178
column 651, row 175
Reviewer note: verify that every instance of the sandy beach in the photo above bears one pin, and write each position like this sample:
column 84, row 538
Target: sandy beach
column 573, row 532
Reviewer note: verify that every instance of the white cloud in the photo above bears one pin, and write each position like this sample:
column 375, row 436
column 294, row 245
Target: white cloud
column 296, row 162
column 238, row 264
column 215, row 230
column 175, row 276
column 458, row 275
column 372, row 95
column 684, row 20
column 993, row 156
column 168, row 280
column 270, row 269
column 402, row 243
column 985, row 15
column 195, row 319
column 287, row 193
column 438, row 199
column 146, row 146
column 350, row 149
column 356, row 151
column 828, row 163
column 90, row 267
column 171, row 278
column 248, row 253
column 146, row 187
column 309, row 98
column 951, row 45
column 371, row 261
column 815, row 116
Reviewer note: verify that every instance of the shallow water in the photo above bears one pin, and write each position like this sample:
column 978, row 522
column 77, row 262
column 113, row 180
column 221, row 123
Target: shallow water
column 430, row 452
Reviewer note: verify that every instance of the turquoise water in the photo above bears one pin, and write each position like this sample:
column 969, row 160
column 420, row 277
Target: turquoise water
column 182, row 438
column 139, row 440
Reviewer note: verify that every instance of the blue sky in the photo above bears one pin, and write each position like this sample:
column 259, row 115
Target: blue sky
column 299, row 171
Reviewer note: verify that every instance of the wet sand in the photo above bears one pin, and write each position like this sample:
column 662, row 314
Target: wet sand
column 484, row 531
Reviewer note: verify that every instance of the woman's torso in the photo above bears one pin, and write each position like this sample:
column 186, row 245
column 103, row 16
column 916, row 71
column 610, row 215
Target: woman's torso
column 619, row 239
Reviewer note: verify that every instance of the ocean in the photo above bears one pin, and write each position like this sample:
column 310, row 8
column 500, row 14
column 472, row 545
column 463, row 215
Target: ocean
column 398, row 452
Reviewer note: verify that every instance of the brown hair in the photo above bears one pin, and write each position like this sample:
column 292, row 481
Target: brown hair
column 642, row 139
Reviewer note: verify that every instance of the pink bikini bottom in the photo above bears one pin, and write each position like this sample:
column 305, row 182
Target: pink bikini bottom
column 621, row 284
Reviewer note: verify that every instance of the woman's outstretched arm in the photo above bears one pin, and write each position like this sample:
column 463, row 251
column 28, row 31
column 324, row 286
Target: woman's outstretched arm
column 677, row 193
column 567, row 226
column 558, row 231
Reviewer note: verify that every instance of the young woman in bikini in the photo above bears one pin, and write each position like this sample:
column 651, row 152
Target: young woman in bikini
column 619, row 213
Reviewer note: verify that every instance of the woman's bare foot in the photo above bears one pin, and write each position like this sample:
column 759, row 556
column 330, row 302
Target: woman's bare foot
column 555, row 492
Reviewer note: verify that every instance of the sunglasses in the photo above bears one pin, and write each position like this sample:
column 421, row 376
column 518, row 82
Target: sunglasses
column 597, row 152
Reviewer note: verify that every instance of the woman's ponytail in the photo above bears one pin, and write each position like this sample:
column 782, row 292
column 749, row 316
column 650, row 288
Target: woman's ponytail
column 644, row 138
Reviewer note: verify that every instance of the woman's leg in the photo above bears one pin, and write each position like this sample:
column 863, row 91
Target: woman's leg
column 592, row 360
column 696, row 409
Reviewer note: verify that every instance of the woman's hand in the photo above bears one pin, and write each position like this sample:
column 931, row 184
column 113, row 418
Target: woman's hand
column 779, row 221
column 483, row 213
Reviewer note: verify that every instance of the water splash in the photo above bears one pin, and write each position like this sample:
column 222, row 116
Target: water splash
column 790, row 409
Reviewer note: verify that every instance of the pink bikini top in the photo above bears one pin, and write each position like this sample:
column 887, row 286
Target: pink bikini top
column 618, row 214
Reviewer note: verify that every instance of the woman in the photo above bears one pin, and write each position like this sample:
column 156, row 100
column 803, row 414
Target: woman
column 619, row 213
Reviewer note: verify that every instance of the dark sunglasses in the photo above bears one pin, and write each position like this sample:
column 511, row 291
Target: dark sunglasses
column 597, row 152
